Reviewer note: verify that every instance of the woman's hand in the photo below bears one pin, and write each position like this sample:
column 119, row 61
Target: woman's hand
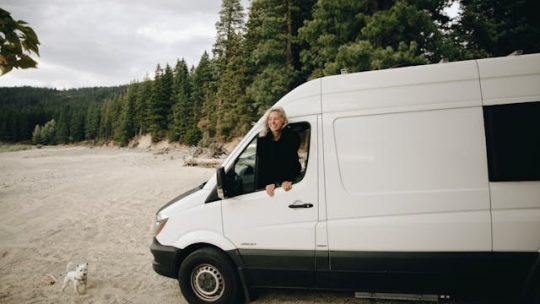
column 286, row 185
column 270, row 189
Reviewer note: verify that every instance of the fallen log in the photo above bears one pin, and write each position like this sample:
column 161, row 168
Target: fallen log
column 202, row 162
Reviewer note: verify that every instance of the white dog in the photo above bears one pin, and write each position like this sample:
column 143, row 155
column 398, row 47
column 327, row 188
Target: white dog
column 79, row 277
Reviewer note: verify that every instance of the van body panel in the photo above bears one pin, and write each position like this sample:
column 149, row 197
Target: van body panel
column 276, row 242
column 515, row 230
column 322, row 260
column 447, row 85
column 515, row 195
column 437, row 151
column 460, row 274
column 189, row 215
column 516, row 216
column 210, row 237
column 278, row 268
column 258, row 221
column 445, row 231
column 304, row 100
column 180, row 197
column 166, row 259
column 513, row 79
column 254, row 222
column 188, row 200
column 437, row 181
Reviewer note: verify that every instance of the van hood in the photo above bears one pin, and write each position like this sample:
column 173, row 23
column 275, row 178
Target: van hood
column 181, row 196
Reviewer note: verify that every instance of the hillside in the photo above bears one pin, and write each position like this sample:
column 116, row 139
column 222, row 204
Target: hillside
column 22, row 108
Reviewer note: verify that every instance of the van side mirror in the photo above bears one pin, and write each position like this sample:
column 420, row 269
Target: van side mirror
column 221, row 189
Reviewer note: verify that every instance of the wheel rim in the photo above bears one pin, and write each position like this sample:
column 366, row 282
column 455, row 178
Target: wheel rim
column 207, row 282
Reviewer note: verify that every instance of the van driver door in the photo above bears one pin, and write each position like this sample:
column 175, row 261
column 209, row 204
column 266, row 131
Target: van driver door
column 275, row 235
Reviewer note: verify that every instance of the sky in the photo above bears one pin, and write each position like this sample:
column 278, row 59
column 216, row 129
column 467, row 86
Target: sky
column 87, row 43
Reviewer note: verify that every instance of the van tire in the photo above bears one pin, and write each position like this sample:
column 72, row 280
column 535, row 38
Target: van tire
column 208, row 276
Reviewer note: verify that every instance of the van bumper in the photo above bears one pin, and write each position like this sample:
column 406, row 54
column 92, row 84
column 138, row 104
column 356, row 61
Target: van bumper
column 165, row 259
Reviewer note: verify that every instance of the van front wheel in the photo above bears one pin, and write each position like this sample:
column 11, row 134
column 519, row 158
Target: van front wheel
column 207, row 276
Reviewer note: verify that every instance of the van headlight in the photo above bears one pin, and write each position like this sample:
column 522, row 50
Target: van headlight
column 160, row 222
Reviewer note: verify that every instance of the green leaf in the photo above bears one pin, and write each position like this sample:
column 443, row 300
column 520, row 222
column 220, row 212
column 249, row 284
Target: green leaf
column 16, row 39
column 26, row 62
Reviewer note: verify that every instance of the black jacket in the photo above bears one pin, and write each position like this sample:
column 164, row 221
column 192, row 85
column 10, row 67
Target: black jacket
column 277, row 161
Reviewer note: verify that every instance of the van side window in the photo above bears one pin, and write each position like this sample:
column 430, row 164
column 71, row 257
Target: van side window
column 242, row 177
column 513, row 141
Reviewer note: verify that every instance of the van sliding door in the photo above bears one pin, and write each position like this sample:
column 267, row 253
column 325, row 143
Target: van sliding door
column 408, row 206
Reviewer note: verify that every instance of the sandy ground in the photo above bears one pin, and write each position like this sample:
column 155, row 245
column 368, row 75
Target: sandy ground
column 61, row 204
column 80, row 204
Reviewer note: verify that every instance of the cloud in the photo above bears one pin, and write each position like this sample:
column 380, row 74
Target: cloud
column 103, row 43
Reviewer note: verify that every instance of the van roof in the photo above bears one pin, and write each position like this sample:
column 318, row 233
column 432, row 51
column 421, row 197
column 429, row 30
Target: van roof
column 456, row 84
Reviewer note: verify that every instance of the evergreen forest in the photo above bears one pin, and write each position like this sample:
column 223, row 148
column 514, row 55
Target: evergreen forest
column 258, row 56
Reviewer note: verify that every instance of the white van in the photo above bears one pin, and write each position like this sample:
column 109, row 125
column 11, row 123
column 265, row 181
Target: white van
column 420, row 180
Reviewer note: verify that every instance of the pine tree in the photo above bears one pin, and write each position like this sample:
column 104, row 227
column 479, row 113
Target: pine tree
column 3, row 125
column 182, row 113
column 156, row 107
column 106, row 120
column 405, row 34
column 127, row 116
column 203, row 96
column 274, row 48
column 142, row 105
column 91, row 126
column 369, row 35
column 48, row 133
column 497, row 27
column 76, row 129
column 233, row 108
column 62, row 128
column 36, row 136
column 193, row 134
column 12, row 123
column 45, row 134
column 333, row 24
column 229, row 26
column 230, row 62
column 159, row 105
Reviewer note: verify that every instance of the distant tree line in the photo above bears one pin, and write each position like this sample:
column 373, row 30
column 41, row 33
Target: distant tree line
column 283, row 44
column 24, row 108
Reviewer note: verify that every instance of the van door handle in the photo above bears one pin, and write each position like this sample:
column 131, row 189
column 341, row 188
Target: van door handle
column 303, row 205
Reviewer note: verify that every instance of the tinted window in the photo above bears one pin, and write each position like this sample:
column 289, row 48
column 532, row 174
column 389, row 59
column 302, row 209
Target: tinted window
column 513, row 141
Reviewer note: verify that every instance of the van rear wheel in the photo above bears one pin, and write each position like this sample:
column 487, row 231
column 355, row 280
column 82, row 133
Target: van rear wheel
column 208, row 276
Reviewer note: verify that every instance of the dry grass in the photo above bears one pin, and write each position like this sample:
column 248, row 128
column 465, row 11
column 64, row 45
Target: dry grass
column 5, row 147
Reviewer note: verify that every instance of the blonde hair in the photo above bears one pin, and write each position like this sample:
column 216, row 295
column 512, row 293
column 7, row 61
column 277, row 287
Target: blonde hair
column 264, row 119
